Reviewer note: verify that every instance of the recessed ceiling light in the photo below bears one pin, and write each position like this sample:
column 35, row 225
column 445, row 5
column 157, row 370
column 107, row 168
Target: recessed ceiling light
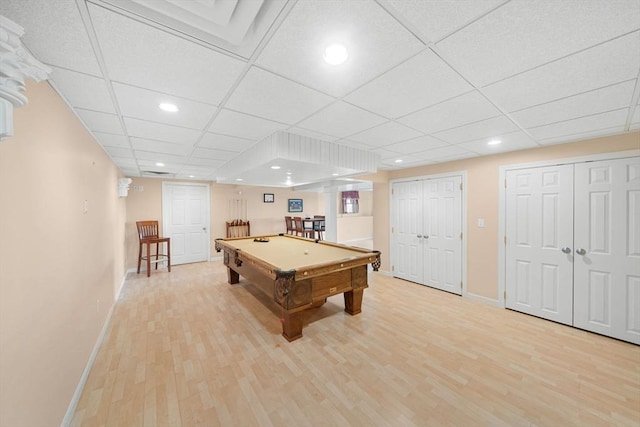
column 275, row 167
column 191, row 176
column 238, row 179
column 288, row 173
column 335, row 54
column 399, row 161
column 335, row 174
column 159, row 164
column 494, row 142
column 171, row 108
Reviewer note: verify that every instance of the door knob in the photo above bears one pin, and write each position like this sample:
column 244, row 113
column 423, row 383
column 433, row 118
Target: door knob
column 419, row 236
column 425, row 237
column 566, row 250
column 581, row 251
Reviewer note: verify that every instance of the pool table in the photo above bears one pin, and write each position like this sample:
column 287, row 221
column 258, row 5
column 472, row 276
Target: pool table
column 300, row 273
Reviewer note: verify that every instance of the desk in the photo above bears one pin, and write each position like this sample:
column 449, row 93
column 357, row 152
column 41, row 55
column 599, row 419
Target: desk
column 299, row 273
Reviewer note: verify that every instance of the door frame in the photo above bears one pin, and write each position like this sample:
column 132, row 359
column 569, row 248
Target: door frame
column 463, row 175
column 502, row 206
column 165, row 208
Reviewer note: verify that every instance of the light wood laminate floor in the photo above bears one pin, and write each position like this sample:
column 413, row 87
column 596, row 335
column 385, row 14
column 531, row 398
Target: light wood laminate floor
column 187, row 349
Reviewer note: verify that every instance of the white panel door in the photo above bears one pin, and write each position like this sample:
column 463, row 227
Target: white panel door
column 539, row 247
column 406, row 202
column 186, row 214
column 442, row 233
column 607, row 248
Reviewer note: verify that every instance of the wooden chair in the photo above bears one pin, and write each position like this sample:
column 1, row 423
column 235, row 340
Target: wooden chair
column 288, row 221
column 148, row 234
column 318, row 226
column 300, row 230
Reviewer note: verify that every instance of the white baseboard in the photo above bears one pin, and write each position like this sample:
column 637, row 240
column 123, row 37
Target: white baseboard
column 66, row 421
column 483, row 299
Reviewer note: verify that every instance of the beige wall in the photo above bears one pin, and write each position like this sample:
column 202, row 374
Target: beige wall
column 482, row 201
column 60, row 266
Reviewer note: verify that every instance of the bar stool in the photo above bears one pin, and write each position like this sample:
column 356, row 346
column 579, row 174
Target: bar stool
column 148, row 235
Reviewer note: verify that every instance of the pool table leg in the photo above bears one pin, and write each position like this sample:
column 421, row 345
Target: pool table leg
column 232, row 276
column 353, row 301
column 292, row 325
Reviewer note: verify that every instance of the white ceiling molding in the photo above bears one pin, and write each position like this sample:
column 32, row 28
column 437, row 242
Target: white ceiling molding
column 233, row 25
column 16, row 65
column 286, row 160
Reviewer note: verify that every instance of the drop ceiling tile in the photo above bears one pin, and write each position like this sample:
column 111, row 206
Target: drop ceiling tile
column 267, row 95
column 196, row 172
column 354, row 144
column 468, row 108
column 296, row 49
column 596, row 101
column 148, row 159
column 130, row 171
column 510, row 142
column 126, row 162
column 224, row 142
column 421, row 81
column 523, row 34
column 111, row 140
column 436, row 19
column 54, row 33
column 455, row 157
column 442, row 152
column 83, row 90
column 385, row 134
column 311, row 134
column 100, row 122
column 583, row 124
column 483, row 129
column 386, row 154
column 150, row 145
column 158, row 131
column 243, row 125
column 341, row 120
column 118, row 151
column 140, row 55
column 582, row 135
column 143, row 104
column 601, row 66
column 206, row 153
column 636, row 115
column 416, row 145
column 210, row 163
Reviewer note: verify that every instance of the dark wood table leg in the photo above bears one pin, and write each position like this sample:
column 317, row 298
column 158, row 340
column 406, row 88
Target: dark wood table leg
column 232, row 276
column 353, row 301
column 292, row 325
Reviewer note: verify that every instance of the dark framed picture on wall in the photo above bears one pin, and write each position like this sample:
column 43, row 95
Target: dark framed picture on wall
column 295, row 205
column 268, row 198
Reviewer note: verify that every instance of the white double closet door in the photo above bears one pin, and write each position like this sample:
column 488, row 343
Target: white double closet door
column 573, row 245
column 427, row 232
